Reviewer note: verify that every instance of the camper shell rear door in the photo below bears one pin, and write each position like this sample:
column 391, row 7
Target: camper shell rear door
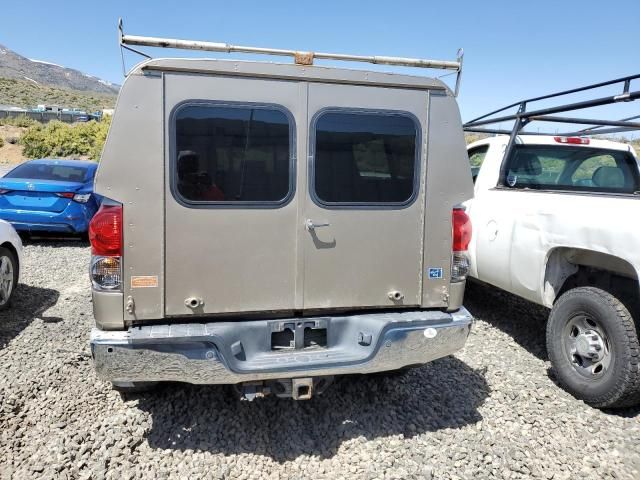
column 366, row 194
column 231, row 203
column 285, row 195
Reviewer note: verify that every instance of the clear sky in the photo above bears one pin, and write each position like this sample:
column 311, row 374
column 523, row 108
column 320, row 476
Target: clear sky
column 513, row 49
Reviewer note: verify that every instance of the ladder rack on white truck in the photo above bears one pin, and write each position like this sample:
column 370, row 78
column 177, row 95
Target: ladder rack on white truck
column 551, row 223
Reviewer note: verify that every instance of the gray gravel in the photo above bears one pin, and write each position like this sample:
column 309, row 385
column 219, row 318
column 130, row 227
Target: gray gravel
column 491, row 411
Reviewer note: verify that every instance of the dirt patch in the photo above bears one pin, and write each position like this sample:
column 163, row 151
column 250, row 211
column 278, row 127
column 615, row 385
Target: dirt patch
column 11, row 153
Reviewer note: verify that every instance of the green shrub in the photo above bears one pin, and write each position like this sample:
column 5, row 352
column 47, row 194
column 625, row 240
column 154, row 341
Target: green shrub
column 1, row 142
column 19, row 121
column 34, row 143
column 100, row 136
column 57, row 139
column 473, row 137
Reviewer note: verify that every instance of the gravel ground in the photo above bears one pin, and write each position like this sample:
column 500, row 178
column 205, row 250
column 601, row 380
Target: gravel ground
column 491, row 411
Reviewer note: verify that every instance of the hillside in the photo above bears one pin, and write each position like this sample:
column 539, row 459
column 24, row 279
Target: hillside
column 22, row 93
column 14, row 65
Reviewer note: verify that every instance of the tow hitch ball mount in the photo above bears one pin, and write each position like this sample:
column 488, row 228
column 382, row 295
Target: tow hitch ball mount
column 296, row 388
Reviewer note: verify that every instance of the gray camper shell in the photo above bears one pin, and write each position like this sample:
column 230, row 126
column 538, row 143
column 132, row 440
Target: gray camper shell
column 279, row 224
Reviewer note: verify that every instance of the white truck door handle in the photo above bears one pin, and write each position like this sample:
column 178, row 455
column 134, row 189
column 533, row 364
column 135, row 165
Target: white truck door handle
column 310, row 226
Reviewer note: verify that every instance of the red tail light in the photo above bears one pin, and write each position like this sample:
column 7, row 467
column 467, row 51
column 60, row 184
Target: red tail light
column 105, row 231
column 461, row 230
column 66, row 194
column 572, row 140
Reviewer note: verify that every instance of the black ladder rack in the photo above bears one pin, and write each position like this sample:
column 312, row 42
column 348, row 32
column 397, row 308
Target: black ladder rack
column 523, row 117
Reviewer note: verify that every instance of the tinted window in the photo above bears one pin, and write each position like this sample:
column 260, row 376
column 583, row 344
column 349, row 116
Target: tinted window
column 572, row 168
column 476, row 157
column 365, row 158
column 38, row 171
column 232, row 154
column 585, row 171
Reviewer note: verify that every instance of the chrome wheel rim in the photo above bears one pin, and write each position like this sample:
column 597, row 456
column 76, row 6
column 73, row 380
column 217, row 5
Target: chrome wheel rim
column 6, row 279
column 587, row 346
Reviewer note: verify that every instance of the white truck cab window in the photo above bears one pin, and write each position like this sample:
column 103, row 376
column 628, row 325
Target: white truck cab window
column 542, row 167
column 476, row 157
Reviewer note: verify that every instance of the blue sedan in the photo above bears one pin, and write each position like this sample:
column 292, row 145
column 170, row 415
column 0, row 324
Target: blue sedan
column 49, row 196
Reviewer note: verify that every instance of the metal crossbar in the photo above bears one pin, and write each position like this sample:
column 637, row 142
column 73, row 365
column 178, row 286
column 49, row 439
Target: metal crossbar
column 522, row 117
column 587, row 130
column 626, row 80
column 300, row 57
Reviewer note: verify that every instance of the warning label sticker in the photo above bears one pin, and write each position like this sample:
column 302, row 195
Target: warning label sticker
column 144, row 281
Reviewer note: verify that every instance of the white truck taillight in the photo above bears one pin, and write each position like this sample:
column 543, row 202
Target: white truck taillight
column 105, row 235
column 461, row 225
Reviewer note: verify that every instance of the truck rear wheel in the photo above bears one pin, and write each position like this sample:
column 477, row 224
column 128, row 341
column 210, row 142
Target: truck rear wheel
column 592, row 342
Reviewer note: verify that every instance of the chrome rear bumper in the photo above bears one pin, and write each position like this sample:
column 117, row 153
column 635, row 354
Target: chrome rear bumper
column 235, row 352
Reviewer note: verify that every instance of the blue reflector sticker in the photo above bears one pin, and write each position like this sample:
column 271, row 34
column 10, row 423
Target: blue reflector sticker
column 435, row 272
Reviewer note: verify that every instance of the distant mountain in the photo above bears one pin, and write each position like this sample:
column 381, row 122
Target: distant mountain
column 26, row 94
column 13, row 65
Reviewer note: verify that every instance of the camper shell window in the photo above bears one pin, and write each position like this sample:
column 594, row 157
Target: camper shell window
column 233, row 154
column 364, row 158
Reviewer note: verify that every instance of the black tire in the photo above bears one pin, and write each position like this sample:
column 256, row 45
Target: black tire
column 134, row 387
column 11, row 257
column 617, row 385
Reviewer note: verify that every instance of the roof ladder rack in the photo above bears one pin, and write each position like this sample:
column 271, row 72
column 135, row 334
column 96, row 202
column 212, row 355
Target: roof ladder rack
column 300, row 57
column 486, row 123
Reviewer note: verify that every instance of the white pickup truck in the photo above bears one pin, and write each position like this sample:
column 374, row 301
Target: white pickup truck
column 555, row 223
